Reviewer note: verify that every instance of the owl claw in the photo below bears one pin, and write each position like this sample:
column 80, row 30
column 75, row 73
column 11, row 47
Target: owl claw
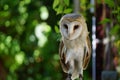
column 80, row 77
column 69, row 77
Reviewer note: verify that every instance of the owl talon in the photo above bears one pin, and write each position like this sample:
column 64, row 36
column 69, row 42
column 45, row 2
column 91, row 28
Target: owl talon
column 81, row 77
column 69, row 77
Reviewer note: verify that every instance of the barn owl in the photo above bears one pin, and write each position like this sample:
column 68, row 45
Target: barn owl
column 75, row 47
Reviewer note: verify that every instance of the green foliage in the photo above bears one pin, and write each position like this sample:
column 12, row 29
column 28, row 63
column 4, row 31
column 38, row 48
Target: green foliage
column 104, row 21
column 67, row 2
column 110, row 3
column 115, row 20
column 116, row 27
column 62, row 6
column 28, row 42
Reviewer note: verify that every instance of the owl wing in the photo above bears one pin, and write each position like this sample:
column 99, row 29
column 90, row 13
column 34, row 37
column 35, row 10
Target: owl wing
column 87, row 53
column 62, row 51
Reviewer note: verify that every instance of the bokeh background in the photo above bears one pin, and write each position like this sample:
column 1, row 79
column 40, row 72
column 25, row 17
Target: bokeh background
column 29, row 37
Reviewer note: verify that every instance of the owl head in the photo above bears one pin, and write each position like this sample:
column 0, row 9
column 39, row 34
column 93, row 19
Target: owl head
column 72, row 25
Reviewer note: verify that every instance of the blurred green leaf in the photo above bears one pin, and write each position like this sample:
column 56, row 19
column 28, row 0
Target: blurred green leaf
column 106, row 20
column 114, row 11
column 4, row 13
column 114, row 30
column 110, row 3
column 59, row 9
column 67, row 2
column 56, row 29
column 118, row 18
column 56, row 3
column 67, row 10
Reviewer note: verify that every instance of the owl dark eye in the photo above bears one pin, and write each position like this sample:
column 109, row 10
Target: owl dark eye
column 76, row 27
column 65, row 26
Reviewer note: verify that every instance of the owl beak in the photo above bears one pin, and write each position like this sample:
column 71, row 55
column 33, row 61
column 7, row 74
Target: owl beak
column 69, row 35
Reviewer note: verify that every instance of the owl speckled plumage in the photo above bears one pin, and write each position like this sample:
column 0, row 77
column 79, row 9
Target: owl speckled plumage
column 75, row 47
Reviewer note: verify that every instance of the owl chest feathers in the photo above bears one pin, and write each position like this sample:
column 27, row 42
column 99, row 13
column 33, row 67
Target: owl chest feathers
column 74, row 49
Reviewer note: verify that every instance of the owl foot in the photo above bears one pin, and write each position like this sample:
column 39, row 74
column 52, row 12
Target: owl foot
column 80, row 77
column 69, row 77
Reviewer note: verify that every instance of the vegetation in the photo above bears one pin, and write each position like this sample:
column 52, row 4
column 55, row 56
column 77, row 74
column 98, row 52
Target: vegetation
column 28, row 41
column 111, row 23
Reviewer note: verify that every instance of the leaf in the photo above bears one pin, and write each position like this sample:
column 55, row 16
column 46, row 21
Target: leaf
column 106, row 20
column 110, row 3
column 59, row 36
column 57, row 29
column 118, row 18
column 68, row 10
column 60, row 9
column 67, row 2
column 115, row 30
column 114, row 11
column 55, row 3
column 90, row 6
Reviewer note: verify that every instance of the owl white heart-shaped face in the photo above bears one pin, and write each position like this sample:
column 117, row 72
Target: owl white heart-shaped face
column 70, row 29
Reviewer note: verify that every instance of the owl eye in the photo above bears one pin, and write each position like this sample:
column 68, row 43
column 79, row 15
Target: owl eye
column 65, row 26
column 76, row 27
